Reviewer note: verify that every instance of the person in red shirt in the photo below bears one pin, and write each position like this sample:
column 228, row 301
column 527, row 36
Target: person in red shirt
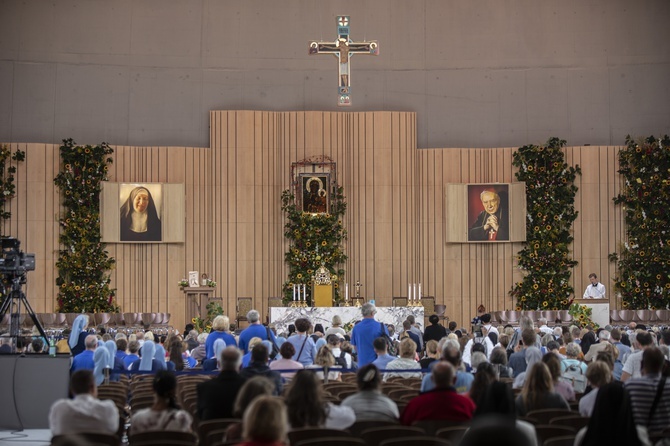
column 442, row 403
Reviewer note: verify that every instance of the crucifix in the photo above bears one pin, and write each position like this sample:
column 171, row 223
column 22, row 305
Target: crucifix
column 344, row 48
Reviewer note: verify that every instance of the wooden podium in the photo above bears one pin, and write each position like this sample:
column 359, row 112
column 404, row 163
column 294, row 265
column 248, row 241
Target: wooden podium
column 197, row 299
column 323, row 290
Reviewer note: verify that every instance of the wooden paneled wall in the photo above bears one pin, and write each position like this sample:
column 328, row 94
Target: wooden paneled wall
column 466, row 275
column 234, row 224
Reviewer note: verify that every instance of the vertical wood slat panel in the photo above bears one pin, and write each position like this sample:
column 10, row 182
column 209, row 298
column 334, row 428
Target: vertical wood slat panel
column 395, row 195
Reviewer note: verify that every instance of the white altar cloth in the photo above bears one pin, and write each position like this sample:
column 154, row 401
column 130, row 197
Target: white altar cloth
column 281, row 317
column 600, row 310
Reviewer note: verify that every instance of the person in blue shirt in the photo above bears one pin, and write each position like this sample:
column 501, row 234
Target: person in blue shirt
column 132, row 356
column 255, row 329
column 305, row 347
column 381, row 350
column 220, row 330
column 365, row 333
column 84, row 360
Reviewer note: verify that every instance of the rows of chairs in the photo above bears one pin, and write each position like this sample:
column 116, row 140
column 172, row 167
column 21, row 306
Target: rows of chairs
column 63, row 320
column 512, row 317
column 640, row 316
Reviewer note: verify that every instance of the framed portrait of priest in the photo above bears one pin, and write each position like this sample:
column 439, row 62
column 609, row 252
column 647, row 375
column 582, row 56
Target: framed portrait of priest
column 485, row 213
column 142, row 213
column 314, row 192
column 488, row 212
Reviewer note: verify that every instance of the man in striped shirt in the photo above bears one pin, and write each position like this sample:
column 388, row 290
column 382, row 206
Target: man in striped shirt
column 643, row 391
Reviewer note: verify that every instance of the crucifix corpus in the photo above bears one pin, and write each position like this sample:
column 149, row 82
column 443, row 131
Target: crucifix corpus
column 343, row 48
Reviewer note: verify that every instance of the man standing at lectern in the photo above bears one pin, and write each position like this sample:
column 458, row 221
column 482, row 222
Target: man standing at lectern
column 596, row 290
column 491, row 223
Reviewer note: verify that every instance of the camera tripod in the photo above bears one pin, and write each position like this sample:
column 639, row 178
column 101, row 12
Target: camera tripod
column 12, row 303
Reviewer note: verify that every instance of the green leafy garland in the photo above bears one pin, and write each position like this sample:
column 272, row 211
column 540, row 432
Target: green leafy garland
column 550, row 195
column 315, row 240
column 643, row 266
column 7, row 171
column 83, row 263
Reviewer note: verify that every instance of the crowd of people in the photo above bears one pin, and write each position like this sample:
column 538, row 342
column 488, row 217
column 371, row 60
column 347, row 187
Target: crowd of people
column 272, row 382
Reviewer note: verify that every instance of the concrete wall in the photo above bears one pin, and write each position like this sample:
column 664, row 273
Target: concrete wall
column 486, row 73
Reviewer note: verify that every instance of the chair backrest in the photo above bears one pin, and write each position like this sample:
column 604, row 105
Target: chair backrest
column 376, row 435
column 87, row 438
column 331, row 441
column 358, row 427
column 576, row 421
column 423, row 440
column 155, row 438
column 275, row 302
column 563, row 440
column 428, row 303
column 543, row 416
column 545, row 432
column 452, row 433
column 399, row 302
column 243, row 306
column 310, row 433
column 440, row 310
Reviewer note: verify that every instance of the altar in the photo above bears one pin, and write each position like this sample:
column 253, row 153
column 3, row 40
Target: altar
column 282, row 317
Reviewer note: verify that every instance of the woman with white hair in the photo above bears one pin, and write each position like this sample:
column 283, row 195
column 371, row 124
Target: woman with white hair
column 220, row 327
column 336, row 327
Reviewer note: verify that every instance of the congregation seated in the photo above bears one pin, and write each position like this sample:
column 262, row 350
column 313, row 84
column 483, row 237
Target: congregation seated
column 598, row 374
column 164, row 414
column 78, row 334
column 84, row 360
column 286, row 363
column 538, row 392
column 563, row 388
column 441, row 403
column 450, row 353
column 612, row 421
column 406, row 361
column 132, row 356
column 369, row 403
column 211, row 364
column 497, row 400
column 305, row 347
column 259, row 367
column 252, row 389
column 216, row 397
column 307, row 407
column 147, row 361
column 84, row 412
column 265, row 423
column 325, row 360
column 380, row 346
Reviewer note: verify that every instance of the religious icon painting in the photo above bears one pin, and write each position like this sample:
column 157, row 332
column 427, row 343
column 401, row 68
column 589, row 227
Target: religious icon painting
column 488, row 212
column 314, row 192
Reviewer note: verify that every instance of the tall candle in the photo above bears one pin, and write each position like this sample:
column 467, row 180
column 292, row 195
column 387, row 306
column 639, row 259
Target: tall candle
column 304, row 293
column 414, row 292
column 409, row 292
column 419, row 292
column 346, row 292
column 293, row 292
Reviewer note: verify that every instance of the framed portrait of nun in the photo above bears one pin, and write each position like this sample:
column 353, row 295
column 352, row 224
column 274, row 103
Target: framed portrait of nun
column 142, row 213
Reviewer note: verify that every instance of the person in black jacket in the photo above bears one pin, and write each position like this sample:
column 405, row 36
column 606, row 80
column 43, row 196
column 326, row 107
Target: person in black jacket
column 434, row 331
column 216, row 397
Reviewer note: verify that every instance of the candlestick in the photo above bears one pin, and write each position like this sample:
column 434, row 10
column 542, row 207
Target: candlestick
column 419, row 292
column 409, row 293
column 293, row 292
column 304, row 292
column 346, row 292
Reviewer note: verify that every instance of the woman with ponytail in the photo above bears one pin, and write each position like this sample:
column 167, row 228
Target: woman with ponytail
column 165, row 414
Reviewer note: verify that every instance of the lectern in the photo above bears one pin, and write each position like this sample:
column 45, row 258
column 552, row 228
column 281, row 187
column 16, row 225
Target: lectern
column 322, row 288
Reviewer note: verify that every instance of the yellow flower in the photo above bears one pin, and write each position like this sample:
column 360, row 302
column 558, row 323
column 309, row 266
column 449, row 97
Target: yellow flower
column 537, row 245
column 548, row 227
column 193, row 320
column 530, row 168
column 545, row 304
column 535, row 286
column 324, row 243
column 299, row 276
column 536, row 228
column 308, row 244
